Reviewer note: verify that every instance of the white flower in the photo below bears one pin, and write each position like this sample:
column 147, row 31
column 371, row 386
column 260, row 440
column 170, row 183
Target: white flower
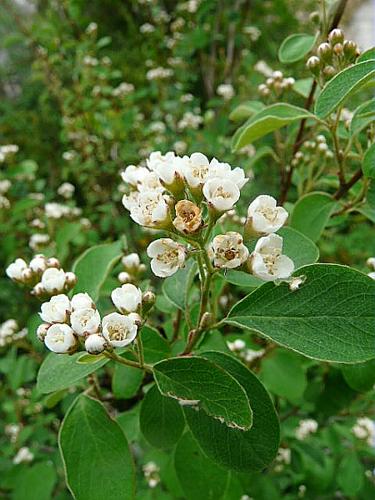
column 127, row 298
column 60, row 339
column 56, row 310
column 365, row 429
column 371, row 263
column 267, row 261
column 305, row 428
column 150, row 209
column 222, row 194
column 130, row 200
column 131, row 261
column 38, row 240
column 226, row 91
column 95, row 344
column 119, row 330
column 66, row 190
column 264, row 216
column 166, row 166
column 38, row 263
column 236, row 345
column 167, row 256
column 15, row 269
column 85, row 321
column 195, row 169
column 23, row 455
column 150, row 182
column 56, row 210
column 133, row 175
column 228, row 251
column 251, row 355
column 82, row 301
column 224, row 171
column 42, row 330
column 4, row 186
column 371, row 275
column 4, row 202
column 53, row 280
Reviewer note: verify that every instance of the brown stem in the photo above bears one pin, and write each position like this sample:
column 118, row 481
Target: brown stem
column 344, row 188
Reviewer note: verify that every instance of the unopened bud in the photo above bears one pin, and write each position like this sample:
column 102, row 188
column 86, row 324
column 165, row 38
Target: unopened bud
column 336, row 36
column 350, row 50
column 124, row 277
column 53, row 262
column 338, row 49
column 148, row 300
column 95, row 344
column 27, row 275
column 70, row 280
column 41, row 331
column 277, row 75
column 38, row 290
column 325, row 52
column 206, row 321
column 313, row 64
column 329, row 72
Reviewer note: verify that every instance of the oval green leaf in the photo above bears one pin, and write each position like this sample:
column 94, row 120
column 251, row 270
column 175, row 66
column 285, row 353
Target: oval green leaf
column 245, row 110
column 361, row 376
column 311, row 214
column 96, row 456
column 93, row 267
column 330, row 318
column 234, row 449
column 268, row 120
column 368, row 164
column 295, row 47
column 363, row 116
column 161, row 419
column 342, row 86
column 206, row 386
column 176, row 288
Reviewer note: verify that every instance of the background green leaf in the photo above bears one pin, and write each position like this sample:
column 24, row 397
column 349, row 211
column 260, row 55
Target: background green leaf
column 295, row 47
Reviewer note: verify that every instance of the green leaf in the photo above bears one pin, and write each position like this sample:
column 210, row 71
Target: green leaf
column 303, row 86
column 234, row 449
column 59, row 371
column 161, row 419
column 298, row 247
column 295, row 47
column 88, row 359
column 268, row 120
column 126, row 381
column 367, row 55
column 155, row 346
column 36, row 482
column 331, row 317
column 350, row 474
column 245, row 110
column 64, row 236
column 368, row 165
column 282, row 374
column 261, row 153
column 176, row 288
column 96, row 456
column 200, row 478
column 342, row 86
column 311, row 214
column 206, row 386
column 93, row 266
column 241, row 279
column 363, row 116
column 361, row 376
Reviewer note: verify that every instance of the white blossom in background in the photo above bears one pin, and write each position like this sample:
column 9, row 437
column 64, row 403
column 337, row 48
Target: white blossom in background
column 147, row 28
column 91, row 28
column 66, row 190
column 305, row 428
column 283, row 457
column 95, row 344
column 264, row 216
column 267, row 261
column 237, row 345
column 228, row 251
column 123, row 89
column 10, row 332
column 38, row 240
column 127, row 298
column 180, row 147
column 263, row 68
column 221, row 194
column 251, row 355
column 60, row 338
column 4, row 202
column 53, row 280
column 82, row 301
column 364, row 429
column 7, row 150
column 12, row 431
column 15, row 270
column 4, row 186
column 190, row 121
column 253, row 32
column 24, row 455
column 159, row 73
column 226, row 91
column 56, row 210
column 85, row 321
column 56, row 310
column 167, row 257
column 119, row 330
column 69, row 155
column 151, row 473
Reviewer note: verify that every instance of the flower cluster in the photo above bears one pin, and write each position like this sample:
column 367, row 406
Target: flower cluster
column 238, row 347
column 151, row 473
column 305, row 428
column 364, row 429
column 318, row 149
column 186, row 196
column 24, row 455
column 133, row 268
column 7, row 150
column 283, row 457
column 276, row 85
column 44, row 275
column 10, row 332
column 69, row 322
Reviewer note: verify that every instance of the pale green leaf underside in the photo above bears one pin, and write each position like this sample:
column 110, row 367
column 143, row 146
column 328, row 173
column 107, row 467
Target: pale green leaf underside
column 96, row 456
column 207, row 387
column 269, row 119
column 245, row 110
column 330, row 318
column 295, row 47
column 93, row 266
column 342, row 86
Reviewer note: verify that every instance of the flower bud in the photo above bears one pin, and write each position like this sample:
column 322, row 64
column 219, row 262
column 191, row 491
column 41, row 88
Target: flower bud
column 124, row 277
column 325, row 52
column 70, row 280
column 350, row 50
column 41, row 331
column 85, row 321
column 329, row 72
column 336, row 36
column 53, row 262
column 38, row 264
column 53, row 280
column 27, row 275
column 313, row 64
column 206, row 321
column 60, row 338
column 127, row 298
column 38, row 290
column 338, row 49
column 95, row 344
column 277, row 75
column 131, row 262
column 15, row 269
column 148, row 300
